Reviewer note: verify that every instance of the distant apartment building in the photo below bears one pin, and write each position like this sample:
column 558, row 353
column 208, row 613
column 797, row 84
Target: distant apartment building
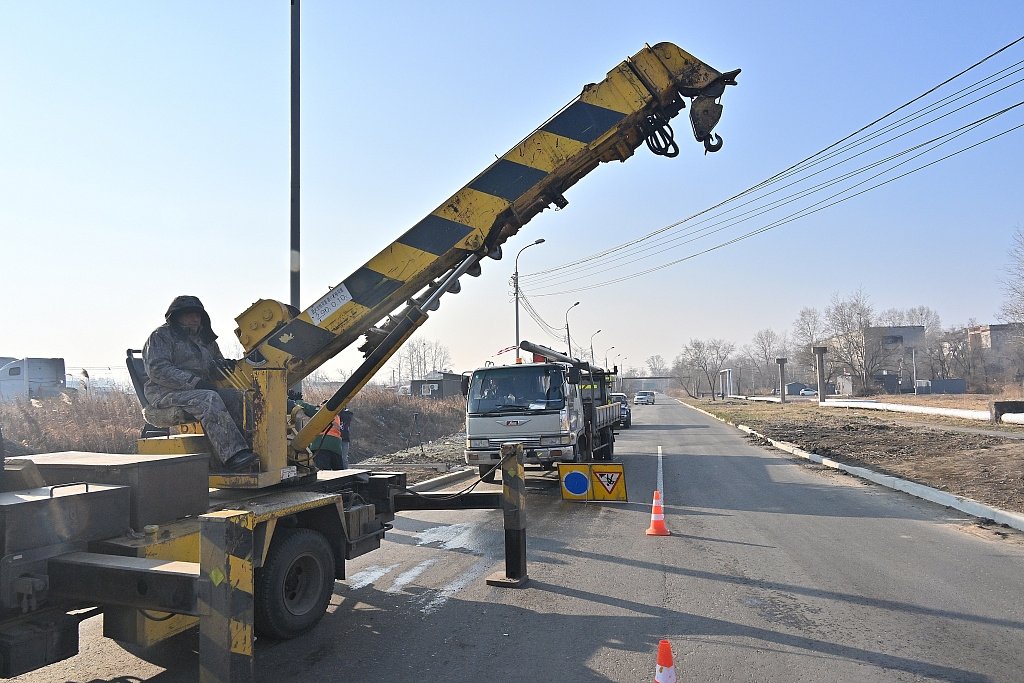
column 997, row 338
column 995, row 354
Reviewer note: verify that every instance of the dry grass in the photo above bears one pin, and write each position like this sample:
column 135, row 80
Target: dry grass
column 383, row 422
column 110, row 423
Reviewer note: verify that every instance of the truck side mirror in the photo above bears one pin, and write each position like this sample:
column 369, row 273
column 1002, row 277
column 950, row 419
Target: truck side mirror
column 574, row 375
column 465, row 385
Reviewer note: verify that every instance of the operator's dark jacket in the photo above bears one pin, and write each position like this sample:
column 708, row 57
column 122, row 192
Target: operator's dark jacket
column 176, row 360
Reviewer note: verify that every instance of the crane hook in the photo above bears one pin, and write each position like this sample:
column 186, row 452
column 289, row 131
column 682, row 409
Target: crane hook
column 712, row 143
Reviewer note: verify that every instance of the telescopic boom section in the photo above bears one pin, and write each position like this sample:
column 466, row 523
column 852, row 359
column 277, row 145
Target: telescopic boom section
column 607, row 122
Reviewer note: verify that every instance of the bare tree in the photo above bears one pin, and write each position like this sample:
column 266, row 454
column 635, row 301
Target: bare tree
column 708, row 357
column 808, row 329
column 768, row 345
column 657, row 367
column 848, row 320
column 1012, row 310
column 421, row 356
column 919, row 315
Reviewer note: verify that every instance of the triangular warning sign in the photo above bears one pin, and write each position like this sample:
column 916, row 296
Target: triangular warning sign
column 608, row 479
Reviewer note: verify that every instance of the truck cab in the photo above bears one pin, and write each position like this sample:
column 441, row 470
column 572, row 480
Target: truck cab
column 534, row 404
column 558, row 411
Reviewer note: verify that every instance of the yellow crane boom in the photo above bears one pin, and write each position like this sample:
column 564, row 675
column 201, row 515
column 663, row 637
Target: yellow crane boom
column 606, row 122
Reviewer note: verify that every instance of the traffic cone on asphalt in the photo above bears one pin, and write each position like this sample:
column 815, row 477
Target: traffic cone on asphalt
column 665, row 671
column 657, row 527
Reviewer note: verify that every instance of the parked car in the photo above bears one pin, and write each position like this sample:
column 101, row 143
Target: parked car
column 625, row 414
column 808, row 392
column 644, row 397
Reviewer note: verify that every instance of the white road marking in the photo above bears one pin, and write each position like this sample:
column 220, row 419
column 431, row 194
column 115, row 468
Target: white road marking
column 369, row 575
column 442, row 595
column 407, row 577
column 661, row 477
column 463, row 536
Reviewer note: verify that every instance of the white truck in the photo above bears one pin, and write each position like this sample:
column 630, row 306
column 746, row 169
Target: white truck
column 558, row 408
column 31, row 378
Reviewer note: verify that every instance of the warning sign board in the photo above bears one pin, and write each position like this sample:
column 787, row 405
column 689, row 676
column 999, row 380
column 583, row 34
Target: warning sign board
column 609, row 481
column 592, row 481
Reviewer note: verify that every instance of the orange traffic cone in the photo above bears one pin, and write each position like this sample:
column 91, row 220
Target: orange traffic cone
column 665, row 671
column 658, row 527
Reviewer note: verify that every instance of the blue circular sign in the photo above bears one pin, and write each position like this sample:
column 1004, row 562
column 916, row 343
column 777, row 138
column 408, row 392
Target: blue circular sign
column 576, row 483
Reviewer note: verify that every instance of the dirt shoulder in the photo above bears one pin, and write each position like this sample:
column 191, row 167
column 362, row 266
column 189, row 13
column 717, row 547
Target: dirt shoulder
column 420, row 463
column 988, row 467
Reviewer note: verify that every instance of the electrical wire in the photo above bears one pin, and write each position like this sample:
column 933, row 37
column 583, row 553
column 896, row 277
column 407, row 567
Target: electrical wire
column 792, row 217
column 819, row 157
column 695, row 234
column 635, row 246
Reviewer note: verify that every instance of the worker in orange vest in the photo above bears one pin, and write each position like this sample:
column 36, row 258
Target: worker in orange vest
column 330, row 449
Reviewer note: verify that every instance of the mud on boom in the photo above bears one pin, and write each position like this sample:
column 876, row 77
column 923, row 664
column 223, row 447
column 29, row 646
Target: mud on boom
column 261, row 552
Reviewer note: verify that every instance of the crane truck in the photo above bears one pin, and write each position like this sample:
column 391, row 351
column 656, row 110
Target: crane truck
column 156, row 543
column 556, row 406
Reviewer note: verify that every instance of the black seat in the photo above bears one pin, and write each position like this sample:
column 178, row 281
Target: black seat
column 158, row 420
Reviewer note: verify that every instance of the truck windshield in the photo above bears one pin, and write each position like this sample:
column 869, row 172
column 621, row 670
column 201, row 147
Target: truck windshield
column 517, row 388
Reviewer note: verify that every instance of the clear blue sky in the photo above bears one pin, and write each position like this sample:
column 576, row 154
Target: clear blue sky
column 144, row 153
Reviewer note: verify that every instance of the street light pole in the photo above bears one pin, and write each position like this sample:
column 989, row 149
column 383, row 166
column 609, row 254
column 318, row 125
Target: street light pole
column 592, row 359
column 606, row 356
column 568, row 338
column 515, row 284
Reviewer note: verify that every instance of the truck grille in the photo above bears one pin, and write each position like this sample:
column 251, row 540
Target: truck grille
column 528, row 442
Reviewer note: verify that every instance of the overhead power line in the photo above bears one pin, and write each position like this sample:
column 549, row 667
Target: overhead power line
column 791, row 217
column 696, row 233
column 838, row 153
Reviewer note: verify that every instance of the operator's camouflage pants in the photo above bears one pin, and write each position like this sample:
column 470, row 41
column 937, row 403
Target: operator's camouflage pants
column 220, row 413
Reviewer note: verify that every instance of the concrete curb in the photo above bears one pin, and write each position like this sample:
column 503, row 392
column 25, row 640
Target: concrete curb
column 444, row 479
column 966, row 505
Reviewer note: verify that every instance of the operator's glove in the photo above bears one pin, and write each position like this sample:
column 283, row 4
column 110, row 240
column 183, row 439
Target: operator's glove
column 203, row 384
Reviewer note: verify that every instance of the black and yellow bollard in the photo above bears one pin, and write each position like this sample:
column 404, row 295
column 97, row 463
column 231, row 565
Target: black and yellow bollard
column 226, row 627
column 513, row 505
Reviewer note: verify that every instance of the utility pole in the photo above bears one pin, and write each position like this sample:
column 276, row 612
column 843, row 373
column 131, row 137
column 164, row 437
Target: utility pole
column 568, row 339
column 295, row 158
column 515, row 285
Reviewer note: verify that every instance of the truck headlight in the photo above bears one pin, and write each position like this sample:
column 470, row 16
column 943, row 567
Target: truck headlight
column 549, row 440
column 476, row 443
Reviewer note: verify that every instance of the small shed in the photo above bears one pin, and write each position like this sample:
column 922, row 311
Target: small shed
column 794, row 388
column 437, row 385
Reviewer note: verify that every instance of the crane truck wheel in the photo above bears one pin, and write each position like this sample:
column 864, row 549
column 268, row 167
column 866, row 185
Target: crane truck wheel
column 487, row 474
column 293, row 587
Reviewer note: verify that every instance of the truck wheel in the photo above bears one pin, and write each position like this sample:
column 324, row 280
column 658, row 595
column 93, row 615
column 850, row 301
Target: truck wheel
column 582, row 451
column 608, row 452
column 487, row 474
column 294, row 585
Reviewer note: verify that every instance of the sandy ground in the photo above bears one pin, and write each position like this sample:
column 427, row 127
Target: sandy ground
column 973, row 459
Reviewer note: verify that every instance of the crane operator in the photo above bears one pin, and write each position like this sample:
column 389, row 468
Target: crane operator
column 180, row 356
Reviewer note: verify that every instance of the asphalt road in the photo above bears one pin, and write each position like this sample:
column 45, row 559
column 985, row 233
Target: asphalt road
column 775, row 571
